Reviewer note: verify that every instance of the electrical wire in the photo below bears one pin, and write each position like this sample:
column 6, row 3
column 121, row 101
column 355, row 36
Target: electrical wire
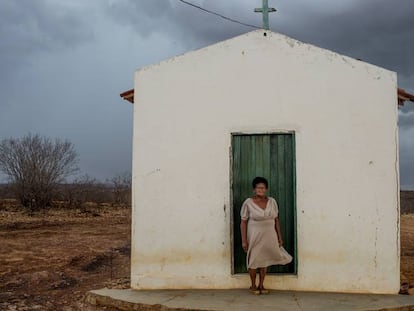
column 219, row 15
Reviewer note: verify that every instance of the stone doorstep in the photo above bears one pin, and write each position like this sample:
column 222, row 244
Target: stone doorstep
column 122, row 305
column 120, row 299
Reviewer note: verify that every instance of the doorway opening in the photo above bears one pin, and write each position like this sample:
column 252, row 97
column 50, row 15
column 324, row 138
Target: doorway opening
column 271, row 156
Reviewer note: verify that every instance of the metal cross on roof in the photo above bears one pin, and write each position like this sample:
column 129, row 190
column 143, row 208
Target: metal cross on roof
column 265, row 10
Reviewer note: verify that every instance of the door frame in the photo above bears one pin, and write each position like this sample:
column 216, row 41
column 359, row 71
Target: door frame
column 247, row 133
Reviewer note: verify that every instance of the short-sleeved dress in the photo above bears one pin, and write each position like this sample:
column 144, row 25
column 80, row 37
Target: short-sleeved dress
column 263, row 242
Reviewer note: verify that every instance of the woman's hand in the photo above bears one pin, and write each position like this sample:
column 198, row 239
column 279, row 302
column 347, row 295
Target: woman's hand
column 245, row 246
column 278, row 234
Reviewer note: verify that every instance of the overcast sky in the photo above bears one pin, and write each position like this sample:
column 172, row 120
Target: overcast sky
column 63, row 63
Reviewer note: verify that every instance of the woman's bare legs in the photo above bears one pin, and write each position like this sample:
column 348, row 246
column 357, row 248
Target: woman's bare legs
column 252, row 273
column 262, row 272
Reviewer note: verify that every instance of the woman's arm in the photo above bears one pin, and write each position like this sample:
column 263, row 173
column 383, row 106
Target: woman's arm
column 279, row 234
column 243, row 230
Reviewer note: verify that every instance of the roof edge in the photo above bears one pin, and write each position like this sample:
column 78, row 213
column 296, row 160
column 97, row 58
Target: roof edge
column 128, row 95
column 403, row 96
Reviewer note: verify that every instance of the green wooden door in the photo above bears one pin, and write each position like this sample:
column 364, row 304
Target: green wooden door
column 271, row 156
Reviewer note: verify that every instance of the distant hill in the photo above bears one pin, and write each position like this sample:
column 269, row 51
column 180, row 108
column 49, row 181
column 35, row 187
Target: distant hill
column 407, row 201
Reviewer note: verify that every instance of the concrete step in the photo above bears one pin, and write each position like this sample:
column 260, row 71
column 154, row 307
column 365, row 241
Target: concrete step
column 240, row 300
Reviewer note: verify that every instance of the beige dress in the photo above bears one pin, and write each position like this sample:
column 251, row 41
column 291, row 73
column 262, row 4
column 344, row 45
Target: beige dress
column 264, row 248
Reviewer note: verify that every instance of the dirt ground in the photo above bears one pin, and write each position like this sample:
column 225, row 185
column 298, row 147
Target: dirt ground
column 407, row 202
column 50, row 260
column 407, row 249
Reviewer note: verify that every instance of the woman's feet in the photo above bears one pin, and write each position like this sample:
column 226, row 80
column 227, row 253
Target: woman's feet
column 258, row 290
column 254, row 290
column 263, row 291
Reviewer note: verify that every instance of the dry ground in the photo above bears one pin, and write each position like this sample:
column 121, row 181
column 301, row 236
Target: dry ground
column 407, row 248
column 407, row 202
column 49, row 261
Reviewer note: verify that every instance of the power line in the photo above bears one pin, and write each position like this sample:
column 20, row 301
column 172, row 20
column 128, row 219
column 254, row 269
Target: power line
column 219, row 15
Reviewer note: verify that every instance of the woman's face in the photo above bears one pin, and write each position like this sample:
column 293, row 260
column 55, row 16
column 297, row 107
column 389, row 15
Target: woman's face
column 260, row 189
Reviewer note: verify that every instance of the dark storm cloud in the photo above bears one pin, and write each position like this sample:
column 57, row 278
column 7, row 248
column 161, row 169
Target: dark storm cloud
column 63, row 63
column 406, row 149
column 188, row 24
column 406, row 117
column 29, row 27
column 28, row 30
column 378, row 31
column 55, row 80
column 406, row 129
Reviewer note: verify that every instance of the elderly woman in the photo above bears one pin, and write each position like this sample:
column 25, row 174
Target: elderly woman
column 261, row 236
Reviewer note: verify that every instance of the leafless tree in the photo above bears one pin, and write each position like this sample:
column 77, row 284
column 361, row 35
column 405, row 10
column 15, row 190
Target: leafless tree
column 79, row 191
column 121, row 189
column 85, row 189
column 3, row 191
column 35, row 166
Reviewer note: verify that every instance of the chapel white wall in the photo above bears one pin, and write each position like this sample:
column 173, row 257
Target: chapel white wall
column 344, row 115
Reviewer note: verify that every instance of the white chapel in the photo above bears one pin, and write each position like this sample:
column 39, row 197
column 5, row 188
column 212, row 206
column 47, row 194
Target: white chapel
column 322, row 127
